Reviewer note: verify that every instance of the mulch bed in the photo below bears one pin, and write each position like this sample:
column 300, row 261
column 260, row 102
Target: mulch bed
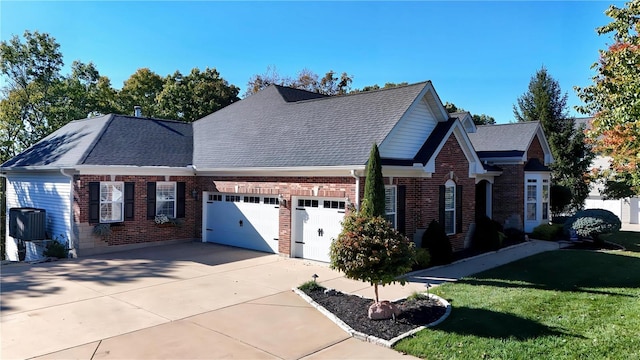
column 353, row 310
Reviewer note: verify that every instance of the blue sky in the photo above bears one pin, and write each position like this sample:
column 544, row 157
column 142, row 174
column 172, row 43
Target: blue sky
column 479, row 55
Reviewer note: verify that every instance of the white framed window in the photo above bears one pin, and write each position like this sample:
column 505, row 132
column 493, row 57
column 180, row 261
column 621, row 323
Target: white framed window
column 111, row 202
column 545, row 199
column 166, row 199
column 390, row 201
column 450, row 207
column 532, row 199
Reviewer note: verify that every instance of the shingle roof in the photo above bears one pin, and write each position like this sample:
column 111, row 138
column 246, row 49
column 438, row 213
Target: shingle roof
column 112, row 140
column 506, row 138
column 264, row 130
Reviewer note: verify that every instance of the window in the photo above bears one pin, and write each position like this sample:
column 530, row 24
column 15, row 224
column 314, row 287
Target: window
column 334, row 204
column 166, row 199
column 252, row 199
column 450, row 207
column 390, row 204
column 545, row 199
column 308, row 203
column 532, row 197
column 232, row 198
column 271, row 201
column 215, row 197
column 111, row 202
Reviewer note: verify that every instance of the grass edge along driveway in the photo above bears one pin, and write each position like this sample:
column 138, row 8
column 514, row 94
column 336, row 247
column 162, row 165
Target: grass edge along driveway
column 566, row 304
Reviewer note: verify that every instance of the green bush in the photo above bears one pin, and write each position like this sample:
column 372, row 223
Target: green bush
column 514, row 235
column 560, row 219
column 435, row 239
column 56, row 249
column 486, row 236
column 423, row 259
column 593, row 223
column 310, row 286
column 549, row 232
column 370, row 249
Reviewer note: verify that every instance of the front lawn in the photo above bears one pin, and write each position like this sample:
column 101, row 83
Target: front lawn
column 567, row 304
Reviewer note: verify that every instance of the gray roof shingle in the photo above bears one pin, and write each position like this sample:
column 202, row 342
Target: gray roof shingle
column 264, row 130
column 112, row 140
column 506, row 138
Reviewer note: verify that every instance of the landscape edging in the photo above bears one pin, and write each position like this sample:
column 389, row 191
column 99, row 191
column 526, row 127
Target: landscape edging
column 370, row 338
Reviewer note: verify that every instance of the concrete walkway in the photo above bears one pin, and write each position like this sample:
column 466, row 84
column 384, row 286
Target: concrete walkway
column 189, row 301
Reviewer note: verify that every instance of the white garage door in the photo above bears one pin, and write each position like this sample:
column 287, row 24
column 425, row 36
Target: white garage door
column 615, row 206
column 247, row 221
column 316, row 222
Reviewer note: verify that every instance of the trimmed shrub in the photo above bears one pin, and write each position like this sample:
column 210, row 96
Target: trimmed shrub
column 435, row 239
column 549, row 232
column 486, row 236
column 423, row 259
column 514, row 235
column 560, row 219
column 310, row 286
column 593, row 223
column 370, row 249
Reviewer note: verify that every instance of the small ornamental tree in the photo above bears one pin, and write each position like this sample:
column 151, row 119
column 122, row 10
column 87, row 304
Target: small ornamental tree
column 369, row 248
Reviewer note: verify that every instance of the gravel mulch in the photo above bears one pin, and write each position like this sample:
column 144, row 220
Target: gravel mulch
column 353, row 310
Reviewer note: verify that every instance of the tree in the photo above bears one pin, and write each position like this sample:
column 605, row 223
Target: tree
column 374, row 87
column 32, row 72
column 481, row 119
column 141, row 89
column 614, row 102
column 191, row 97
column 368, row 247
column 545, row 102
column 373, row 203
column 329, row 84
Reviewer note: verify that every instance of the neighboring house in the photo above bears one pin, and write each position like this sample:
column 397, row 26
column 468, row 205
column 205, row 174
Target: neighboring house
column 627, row 209
column 275, row 172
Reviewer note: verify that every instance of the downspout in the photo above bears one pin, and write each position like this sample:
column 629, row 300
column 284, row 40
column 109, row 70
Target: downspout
column 72, row 233
column 357, row 200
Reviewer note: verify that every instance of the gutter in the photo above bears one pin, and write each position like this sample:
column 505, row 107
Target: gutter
column 357, row 200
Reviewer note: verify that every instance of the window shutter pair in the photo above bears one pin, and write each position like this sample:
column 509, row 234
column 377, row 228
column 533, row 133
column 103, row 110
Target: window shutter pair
column 94, row 201
column 441, row 190
column 180, row 200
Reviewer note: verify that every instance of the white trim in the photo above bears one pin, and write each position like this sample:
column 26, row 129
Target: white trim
column 450, row 184
column 395, row 203
column 475, row 165
column 100, row 203
column 175, row 196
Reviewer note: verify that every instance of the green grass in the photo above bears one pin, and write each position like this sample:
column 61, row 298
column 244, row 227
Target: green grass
column 569, row 304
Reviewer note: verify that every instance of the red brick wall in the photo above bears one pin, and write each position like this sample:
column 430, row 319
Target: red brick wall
column 508, row 188
column 535, row 150
column 139, row 230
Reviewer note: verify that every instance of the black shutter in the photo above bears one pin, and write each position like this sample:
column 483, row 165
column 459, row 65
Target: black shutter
column 151, row 200
column 441, row 190
column 181, row 198
column 401, row 209
column 94, row 202
column 458, row 208
column 129, row 197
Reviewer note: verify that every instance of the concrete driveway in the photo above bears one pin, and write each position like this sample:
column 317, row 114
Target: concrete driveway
column 184, row 301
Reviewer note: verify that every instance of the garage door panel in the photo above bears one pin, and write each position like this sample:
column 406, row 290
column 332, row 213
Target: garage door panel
column 317, row 224
column 251, row 225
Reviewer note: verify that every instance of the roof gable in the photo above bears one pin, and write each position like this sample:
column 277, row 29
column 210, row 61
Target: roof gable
column 265, row 131
column 509, row 141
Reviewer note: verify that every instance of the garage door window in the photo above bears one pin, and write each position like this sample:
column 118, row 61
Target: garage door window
column 271, row 201
column 334, row 204
column 252, row 199
column 308, row 203
column 232, row 198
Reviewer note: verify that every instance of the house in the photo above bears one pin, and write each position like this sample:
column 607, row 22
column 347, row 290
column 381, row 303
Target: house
column 277, row 171
column 627, row 209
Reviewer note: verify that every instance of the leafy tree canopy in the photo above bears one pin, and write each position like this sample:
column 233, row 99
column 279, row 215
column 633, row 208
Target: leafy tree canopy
column 481, row 119
column 329, row 84
column 545, row 102
column 613, row 99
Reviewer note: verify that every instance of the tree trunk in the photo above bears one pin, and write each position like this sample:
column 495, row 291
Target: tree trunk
column 375, row 288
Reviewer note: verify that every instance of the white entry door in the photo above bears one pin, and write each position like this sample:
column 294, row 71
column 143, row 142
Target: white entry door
column 247, row 221
column 316, row 222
